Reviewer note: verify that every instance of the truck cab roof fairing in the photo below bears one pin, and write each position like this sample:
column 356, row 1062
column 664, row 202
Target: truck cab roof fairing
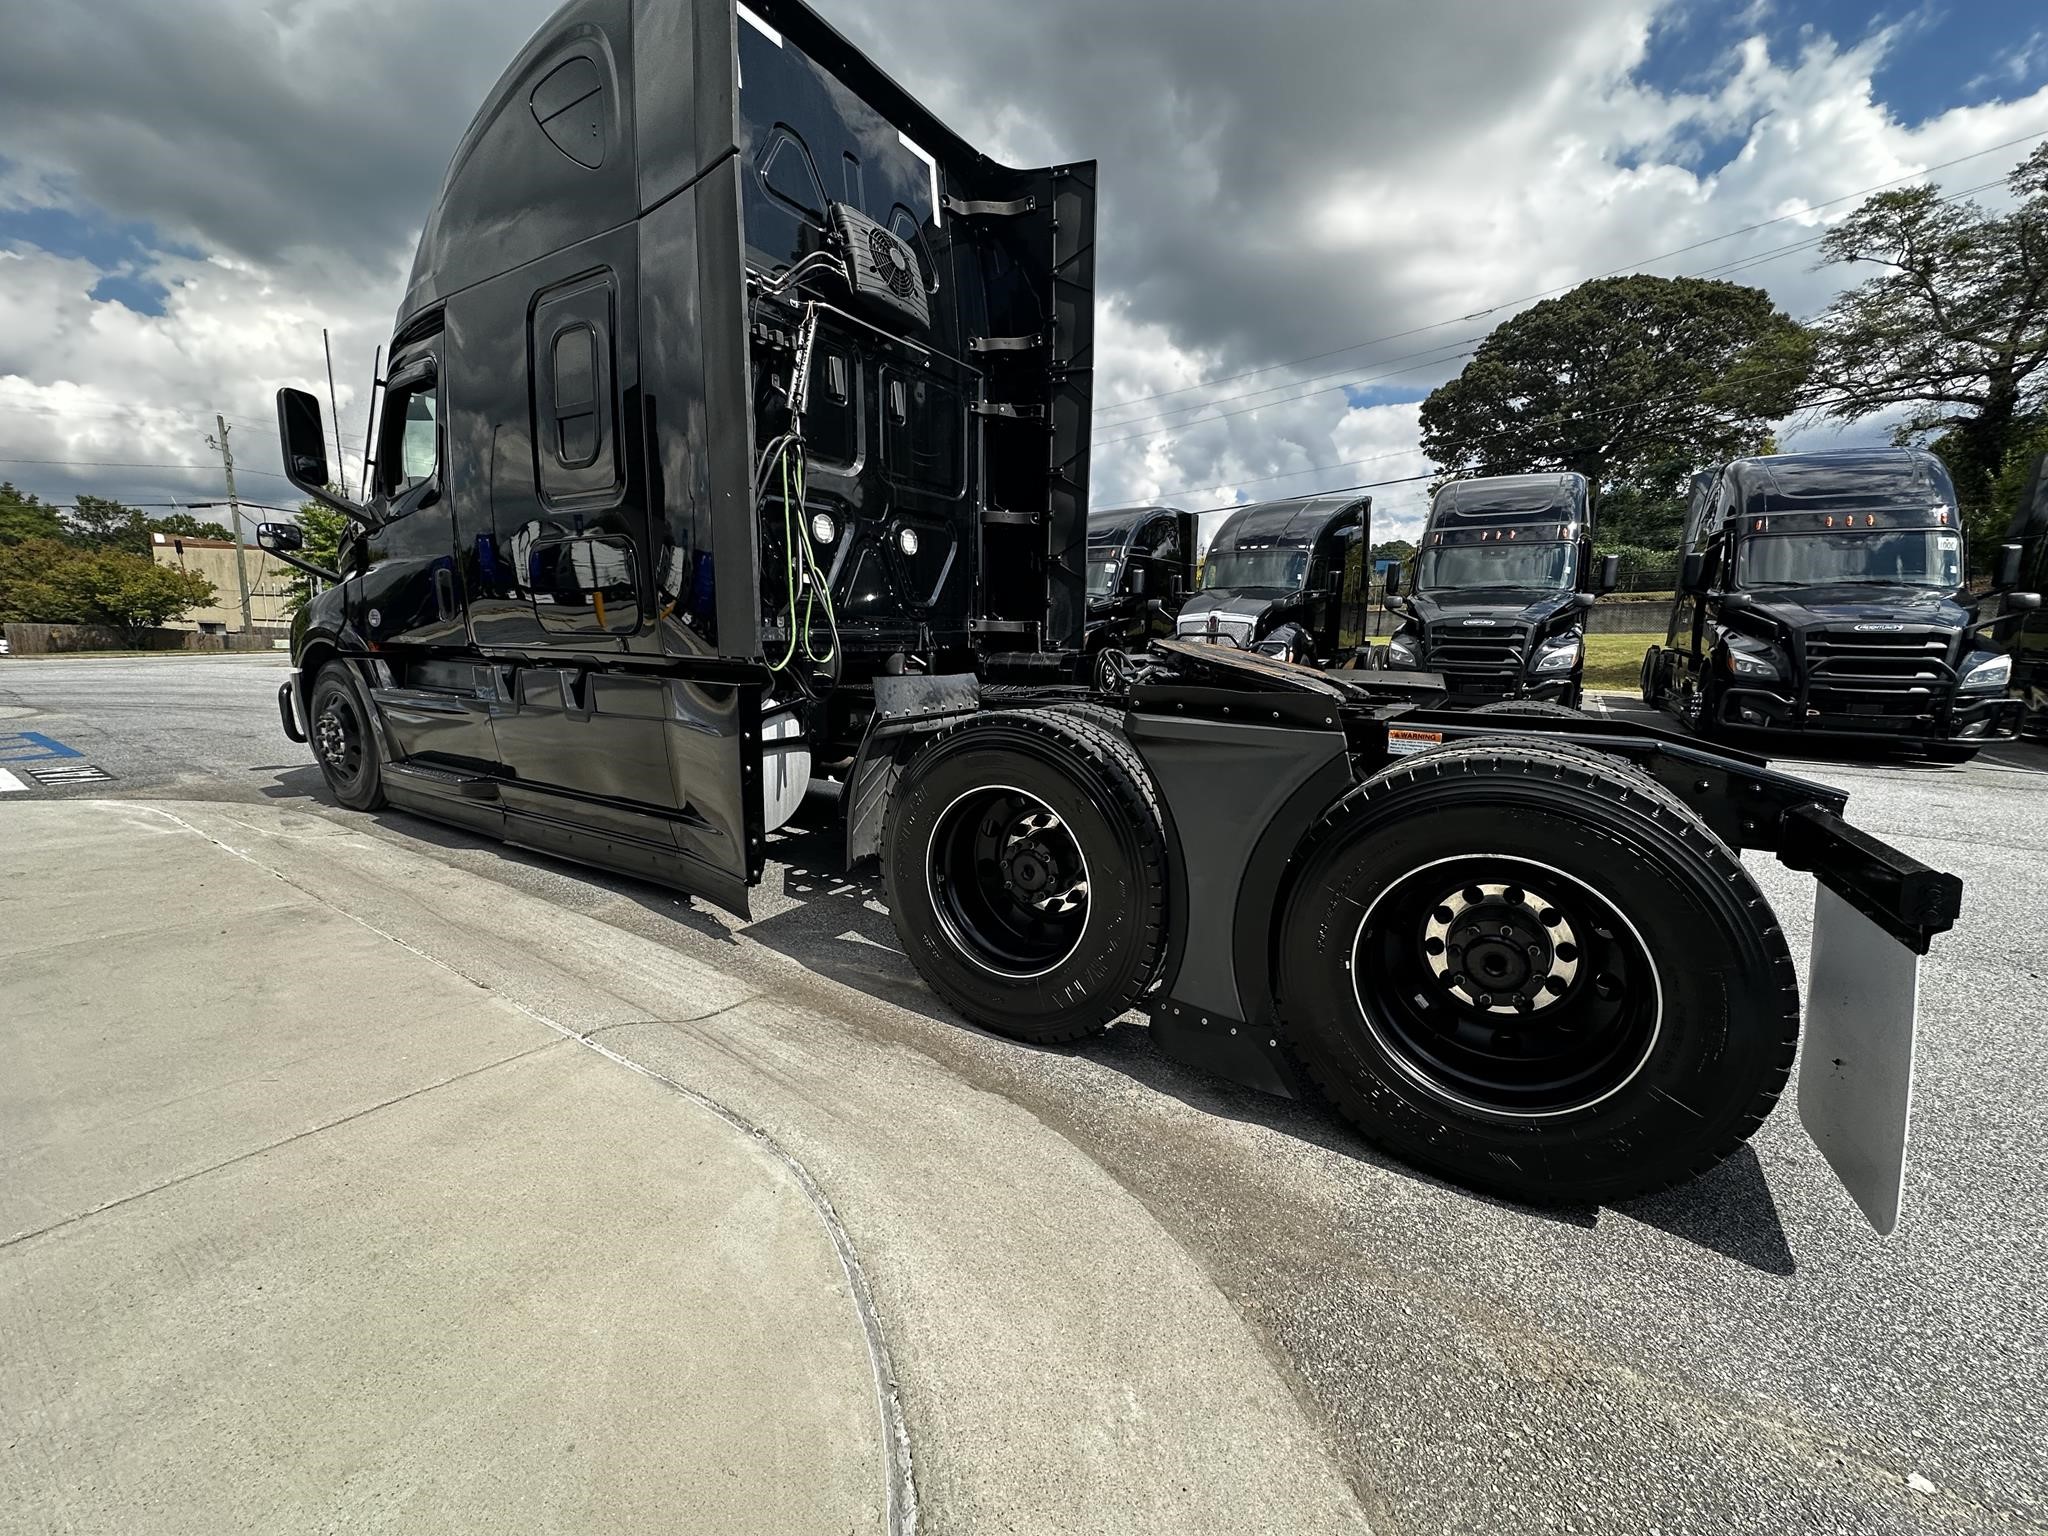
column 1298, row 521
column 665, row 112
column 1543, row 498
column 1854, row 478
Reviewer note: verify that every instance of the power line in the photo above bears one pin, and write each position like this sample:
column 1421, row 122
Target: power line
column 1740, row 264
column 146, row 411
column 210, row 469
column 1616, row 272
column 1268, row 404
column 1342, row 373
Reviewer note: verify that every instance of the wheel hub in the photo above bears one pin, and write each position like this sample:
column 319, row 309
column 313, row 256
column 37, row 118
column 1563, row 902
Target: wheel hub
column 1035, row 868
column 1502, row 948
column 330, row 735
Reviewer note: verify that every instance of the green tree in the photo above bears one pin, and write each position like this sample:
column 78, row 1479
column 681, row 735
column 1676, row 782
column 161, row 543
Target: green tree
column 1953, row 328
column 98, row 523
column 25, row 516
column 46, row 581
column 1634, row 382
column 1394, row 549
column 323, row 528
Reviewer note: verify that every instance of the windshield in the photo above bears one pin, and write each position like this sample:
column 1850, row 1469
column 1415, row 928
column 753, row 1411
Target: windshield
column 1547, row 567
column 1102, row 571
column 1889, row 557
column 1232, row 569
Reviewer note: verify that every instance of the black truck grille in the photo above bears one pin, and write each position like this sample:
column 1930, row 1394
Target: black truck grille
column 1478, row 656
column 1878, row 671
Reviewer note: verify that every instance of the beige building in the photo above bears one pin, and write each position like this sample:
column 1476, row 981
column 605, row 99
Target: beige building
column 269, row 584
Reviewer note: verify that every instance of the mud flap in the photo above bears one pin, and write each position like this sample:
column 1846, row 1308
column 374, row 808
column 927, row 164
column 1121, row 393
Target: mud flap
column 1856, row 1067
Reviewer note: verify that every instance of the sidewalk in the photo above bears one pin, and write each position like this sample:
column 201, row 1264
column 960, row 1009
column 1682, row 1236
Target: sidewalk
column 301, row 1231
column 456, row 1133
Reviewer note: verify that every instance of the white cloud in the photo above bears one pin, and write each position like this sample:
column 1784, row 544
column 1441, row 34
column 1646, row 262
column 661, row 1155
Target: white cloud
column 1277, row 181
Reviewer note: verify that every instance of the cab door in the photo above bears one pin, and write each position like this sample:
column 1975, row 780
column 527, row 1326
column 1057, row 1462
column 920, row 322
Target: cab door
column 434, row 701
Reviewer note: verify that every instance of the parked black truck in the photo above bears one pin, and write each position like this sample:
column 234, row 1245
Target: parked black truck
column 1141, row 568
column 737, row 435
column 2026, row 632
column 1504, row 576
column 1823, row 596
column 1287, row 579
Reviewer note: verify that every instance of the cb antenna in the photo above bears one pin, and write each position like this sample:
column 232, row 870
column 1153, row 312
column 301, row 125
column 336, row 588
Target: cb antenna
column 340, row 458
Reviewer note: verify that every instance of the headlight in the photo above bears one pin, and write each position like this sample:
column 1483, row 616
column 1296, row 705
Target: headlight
column 1402, row 651
column 1558, row 654
column 1991, row 672
column 1751, row 663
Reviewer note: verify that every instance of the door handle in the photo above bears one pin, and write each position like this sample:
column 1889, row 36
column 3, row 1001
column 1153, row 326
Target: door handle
column 444, row 592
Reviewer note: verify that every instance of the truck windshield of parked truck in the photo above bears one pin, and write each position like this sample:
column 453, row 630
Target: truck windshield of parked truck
column 1454, row 567
column 1885, row 557
column 1234, row 570
column 1102, row 574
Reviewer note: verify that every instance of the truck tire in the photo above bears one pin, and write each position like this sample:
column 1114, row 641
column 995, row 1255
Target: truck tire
column 1025, row 858
column 1534, row 971
column 1652, row 694
column 344, row 744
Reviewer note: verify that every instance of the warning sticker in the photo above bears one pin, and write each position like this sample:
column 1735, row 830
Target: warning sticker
column 1407, row 743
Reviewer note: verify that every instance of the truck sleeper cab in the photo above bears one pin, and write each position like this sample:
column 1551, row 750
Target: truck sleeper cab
column 1504, row 576
column 1823, row 596
column 736, row 436
column 1287, row 579
column 1141, row 568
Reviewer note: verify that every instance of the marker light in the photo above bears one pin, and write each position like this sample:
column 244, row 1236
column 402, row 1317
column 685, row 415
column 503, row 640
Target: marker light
column 906, row 540
column 823, row 529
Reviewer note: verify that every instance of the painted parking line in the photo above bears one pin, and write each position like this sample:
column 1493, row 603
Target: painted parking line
column 32, row 747
column 9, row 783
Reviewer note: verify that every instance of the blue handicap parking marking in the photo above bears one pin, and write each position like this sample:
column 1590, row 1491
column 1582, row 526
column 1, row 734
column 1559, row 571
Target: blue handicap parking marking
column 32, row 747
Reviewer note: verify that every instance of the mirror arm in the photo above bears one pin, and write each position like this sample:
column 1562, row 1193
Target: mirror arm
column 307, row 566
column 354, row 512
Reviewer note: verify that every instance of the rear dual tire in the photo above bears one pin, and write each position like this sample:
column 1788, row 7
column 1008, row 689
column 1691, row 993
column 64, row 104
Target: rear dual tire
column 1531, row 970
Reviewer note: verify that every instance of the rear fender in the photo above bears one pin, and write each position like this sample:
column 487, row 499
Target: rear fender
column 909, row 711
column 1238, row 799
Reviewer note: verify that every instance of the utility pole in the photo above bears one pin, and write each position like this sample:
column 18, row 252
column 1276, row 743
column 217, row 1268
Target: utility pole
column 227, row 459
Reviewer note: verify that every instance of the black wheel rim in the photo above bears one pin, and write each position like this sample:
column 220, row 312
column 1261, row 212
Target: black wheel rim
column 338, row 737
column 1506, row 986
column 1008, row 881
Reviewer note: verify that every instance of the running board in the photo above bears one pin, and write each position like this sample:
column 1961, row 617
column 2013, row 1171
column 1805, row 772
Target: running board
column 441, row 781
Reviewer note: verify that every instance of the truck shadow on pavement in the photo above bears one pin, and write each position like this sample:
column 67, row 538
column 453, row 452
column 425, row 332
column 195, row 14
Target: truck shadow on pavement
column 840, row 929
column 836, row 926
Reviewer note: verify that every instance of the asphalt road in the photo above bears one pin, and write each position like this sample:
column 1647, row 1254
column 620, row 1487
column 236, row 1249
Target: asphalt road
column 1741, row 1355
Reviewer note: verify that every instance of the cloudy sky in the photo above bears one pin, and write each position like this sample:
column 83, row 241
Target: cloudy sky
column 1312, row 209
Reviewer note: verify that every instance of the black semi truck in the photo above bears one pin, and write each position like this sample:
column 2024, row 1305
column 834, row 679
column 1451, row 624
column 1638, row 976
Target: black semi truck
column 736, row 435
column 1141, row 568
column 2027, row 629
column 1287, row 579
column 1823, row 596
column 1504, row 576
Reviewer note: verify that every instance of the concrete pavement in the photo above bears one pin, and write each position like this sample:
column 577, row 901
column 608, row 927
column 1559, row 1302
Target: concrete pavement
column 300, row 1230
column 356, row 1192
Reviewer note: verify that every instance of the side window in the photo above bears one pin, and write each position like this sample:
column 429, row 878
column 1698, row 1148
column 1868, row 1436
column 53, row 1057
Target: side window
column 576, row 423
column 1162, row 540
column 410, row 452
